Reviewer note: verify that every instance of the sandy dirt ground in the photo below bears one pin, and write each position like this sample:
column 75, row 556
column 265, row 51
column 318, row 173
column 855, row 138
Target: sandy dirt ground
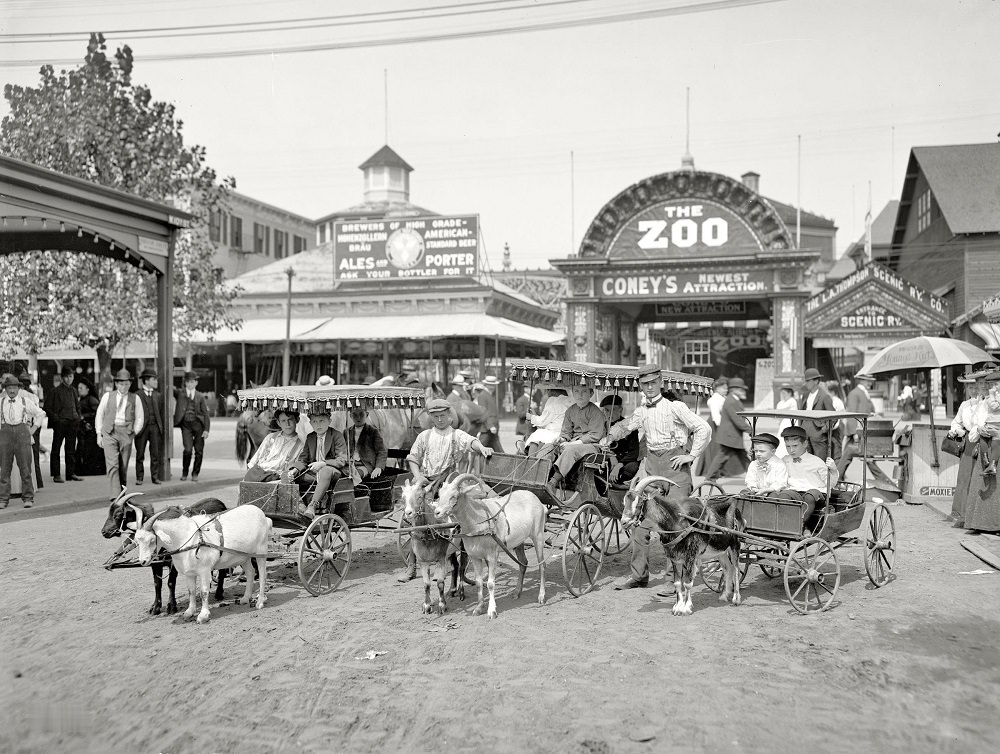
column 913, row 667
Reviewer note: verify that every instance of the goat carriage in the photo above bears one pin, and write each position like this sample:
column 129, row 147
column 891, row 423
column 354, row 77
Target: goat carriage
column 803, row 550
column 584, row 517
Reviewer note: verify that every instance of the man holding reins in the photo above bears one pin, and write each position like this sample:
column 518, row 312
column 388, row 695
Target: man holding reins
column 667, row 425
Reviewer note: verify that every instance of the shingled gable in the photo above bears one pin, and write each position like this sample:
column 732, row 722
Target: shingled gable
column 874, row 301
column 965, row 182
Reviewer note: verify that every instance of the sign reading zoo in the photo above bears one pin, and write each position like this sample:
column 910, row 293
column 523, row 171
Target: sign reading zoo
column 683, row 228
column 409, row 247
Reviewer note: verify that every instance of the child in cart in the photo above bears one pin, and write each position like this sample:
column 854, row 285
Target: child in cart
column 808, row 476
column 766, row 473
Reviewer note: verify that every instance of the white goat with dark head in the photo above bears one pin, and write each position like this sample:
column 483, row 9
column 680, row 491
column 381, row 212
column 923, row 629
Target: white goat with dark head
column 203, row 543
column 512, row 519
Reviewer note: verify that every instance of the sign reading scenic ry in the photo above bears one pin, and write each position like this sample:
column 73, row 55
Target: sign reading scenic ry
column 401, row 248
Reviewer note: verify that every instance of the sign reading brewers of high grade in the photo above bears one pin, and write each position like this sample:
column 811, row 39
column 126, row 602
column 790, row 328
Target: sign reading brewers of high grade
column 402, row 248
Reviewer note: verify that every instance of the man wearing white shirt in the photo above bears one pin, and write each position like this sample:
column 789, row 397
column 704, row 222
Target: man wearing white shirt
column 119, row 418
column 18, row 413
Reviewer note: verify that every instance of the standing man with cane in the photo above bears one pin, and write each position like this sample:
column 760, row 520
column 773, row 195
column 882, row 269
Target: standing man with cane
column 191, row 415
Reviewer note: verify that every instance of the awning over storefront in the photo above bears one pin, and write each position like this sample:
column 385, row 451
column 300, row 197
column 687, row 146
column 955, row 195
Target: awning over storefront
column 426, row 327
column 267, row 330
column 749, row 324
column 989, row 332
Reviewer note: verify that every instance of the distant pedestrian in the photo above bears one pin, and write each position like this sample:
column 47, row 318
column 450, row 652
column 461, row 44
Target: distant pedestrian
column 490, row 436
column 151, row 434
column 35, row 391
column 19, row 412
column 458, row 392
column 191, row 415
column 119, row 419
column 63, row 409
column 733, row 433
column 522, row 407
column 89, row 456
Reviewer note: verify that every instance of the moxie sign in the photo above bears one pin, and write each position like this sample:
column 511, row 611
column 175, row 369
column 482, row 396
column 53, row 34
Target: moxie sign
column 687, row 284
column 413, row 247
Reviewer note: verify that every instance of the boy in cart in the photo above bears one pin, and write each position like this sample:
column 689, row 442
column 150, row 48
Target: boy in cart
column 766, row 473
column 808, row 476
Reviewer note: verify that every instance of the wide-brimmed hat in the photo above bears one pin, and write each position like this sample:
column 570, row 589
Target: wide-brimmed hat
column 438, row 405
column 188, row 376
column 325, row 380
column 11, row 381
column 123, row 375
column 811, row 374
column 737, row 383
column 766, row 437
column 490, row 380
column 147, row 374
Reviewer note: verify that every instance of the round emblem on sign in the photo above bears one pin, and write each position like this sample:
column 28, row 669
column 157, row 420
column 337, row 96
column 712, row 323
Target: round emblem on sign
column 404, row 248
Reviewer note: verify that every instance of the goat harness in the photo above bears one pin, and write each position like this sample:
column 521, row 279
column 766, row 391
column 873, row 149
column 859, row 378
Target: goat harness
column 201, row 542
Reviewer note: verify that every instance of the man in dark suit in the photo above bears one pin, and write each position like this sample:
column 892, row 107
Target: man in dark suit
column 152, row 431
column 366, row 451
column 191, row 415
column 815, row 398
column 486, row 399
column 63, row 409
column 732, row 432
column 858, row 402
column 321, row 462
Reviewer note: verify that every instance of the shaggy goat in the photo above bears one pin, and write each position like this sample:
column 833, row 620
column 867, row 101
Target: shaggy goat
column 487, row 522
column 431, row 548
column 200, row 544
column 690, row 530
column 122, row 519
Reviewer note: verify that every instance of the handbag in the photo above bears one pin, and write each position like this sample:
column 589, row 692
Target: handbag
column 952, row 446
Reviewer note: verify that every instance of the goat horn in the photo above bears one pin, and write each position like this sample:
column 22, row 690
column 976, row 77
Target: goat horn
column 149, row 524
column 461, row 478
column 646, row 481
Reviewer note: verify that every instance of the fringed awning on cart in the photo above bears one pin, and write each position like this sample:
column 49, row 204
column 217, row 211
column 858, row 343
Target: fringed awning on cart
column 991, row 309
column 601, row 376
column 332, row 397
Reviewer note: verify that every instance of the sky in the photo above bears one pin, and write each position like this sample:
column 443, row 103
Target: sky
column 533, row 114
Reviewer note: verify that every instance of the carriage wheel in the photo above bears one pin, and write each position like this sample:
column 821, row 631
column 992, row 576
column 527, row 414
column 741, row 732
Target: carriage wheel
column 583, row 550
column 711, row 570
column 880, row 545
column 403, row 539
column 616, row 539
column 324, row 554
column 812, row 575
column 706, row 490
column 767, row 568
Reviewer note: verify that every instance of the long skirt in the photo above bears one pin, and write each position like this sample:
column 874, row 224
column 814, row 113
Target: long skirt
column 982, row 506
column 966, row 464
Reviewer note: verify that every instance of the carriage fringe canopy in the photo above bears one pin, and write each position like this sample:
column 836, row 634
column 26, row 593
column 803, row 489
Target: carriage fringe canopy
column 307, row 397
column 602, row 376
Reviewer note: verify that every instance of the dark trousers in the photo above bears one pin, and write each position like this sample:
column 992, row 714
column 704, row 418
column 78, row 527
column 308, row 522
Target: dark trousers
column 15, row 443
column 192, row 435
column 714, row 470
column 153, row 436
column 64, row 430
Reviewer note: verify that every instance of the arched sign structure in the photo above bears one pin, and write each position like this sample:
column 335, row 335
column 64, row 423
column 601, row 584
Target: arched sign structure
column 41, row 209
column 678, row 248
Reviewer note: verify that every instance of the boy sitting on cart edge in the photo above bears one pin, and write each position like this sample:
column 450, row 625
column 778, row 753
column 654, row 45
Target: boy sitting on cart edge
column 627, row 450
column 321, row 462
column 766, row 473
column 582, row 428
column 808, row 476
column 366, row 451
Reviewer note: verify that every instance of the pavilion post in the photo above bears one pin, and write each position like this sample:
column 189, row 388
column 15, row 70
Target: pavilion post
column 165, row 351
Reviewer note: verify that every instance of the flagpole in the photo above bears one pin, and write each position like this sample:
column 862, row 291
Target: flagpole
column 868, row 225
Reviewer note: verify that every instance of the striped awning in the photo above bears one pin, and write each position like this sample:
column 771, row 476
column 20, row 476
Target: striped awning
column 748, row 324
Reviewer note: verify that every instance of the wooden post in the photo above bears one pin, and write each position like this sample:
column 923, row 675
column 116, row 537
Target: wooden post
column 286, row 361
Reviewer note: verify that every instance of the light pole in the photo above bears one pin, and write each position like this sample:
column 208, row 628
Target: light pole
column 286, row 361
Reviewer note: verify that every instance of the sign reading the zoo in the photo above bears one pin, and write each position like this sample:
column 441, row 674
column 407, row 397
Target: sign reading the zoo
column 682, row 228
column 410, row 247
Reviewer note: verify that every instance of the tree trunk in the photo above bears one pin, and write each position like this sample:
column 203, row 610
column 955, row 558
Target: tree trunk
column 104, row 382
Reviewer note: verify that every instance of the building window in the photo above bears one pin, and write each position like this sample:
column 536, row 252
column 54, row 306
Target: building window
column 261, row 239
column 280, row 244
column 224, row 222
column 299, row 244
column 215, row 226
column 697, row 353
column 236, row 228
column 924, row 211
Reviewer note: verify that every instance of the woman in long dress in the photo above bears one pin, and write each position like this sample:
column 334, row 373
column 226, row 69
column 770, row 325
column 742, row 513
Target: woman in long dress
column 787, row 403
column 982, row 506
column 975, row 388
column 90, row 458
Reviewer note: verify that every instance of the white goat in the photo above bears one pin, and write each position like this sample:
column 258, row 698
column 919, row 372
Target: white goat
column 204, row 543
column 511, row 519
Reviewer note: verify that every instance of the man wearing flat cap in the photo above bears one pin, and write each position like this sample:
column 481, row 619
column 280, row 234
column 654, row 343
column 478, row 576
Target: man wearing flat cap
column 119, row 419
column 667, row 425
column 18, row 412
column 815, row 398
column 151, row 434
column 191, row 415
column 62, row 406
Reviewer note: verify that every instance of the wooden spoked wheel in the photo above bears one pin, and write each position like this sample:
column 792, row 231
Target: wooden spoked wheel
column 707, row 489
column 880, row 545
column 710, row 571
column 324, row 554
column 403, row 539
column 812, row 575
column 616, row 539
column 767, row 567
column 583, row 550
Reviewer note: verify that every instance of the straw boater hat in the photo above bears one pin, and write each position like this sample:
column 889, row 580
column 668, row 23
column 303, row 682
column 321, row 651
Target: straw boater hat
column 490, row 380
column 458, row 379
column 325, row 380
column 478, row 386
column 861, row 376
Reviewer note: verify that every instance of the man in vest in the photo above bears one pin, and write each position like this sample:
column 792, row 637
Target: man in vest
column 63, row 409
column 119, row 419
column 152, row 431
column 17, row 415
column 191, row 415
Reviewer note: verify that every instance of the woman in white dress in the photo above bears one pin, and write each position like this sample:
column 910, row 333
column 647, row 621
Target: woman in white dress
column 548, row 424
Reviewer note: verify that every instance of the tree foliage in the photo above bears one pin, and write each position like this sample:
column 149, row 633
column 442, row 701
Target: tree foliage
column 95, row 123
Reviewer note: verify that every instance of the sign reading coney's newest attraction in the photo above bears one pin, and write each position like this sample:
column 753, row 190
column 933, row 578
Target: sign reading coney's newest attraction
column 679, row 228
column 402, row 248
column 725, row 283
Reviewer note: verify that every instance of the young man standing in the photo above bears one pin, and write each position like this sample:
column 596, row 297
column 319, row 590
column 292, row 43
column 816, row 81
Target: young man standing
column 63, row 409
column 152, row 430
column 119, row 419
column 817, row 399
column 191, row 415
column 858, row 402
column 17, row 414
column 667, row 426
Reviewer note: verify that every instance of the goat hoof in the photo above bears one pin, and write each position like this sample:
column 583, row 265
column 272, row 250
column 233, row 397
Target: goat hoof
column 477, row 610
column 427, row 609
column 461, row 595
column 491, row 614
column 243, row 601
column 171, row 608
column 155, row 609
column 203, row 619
